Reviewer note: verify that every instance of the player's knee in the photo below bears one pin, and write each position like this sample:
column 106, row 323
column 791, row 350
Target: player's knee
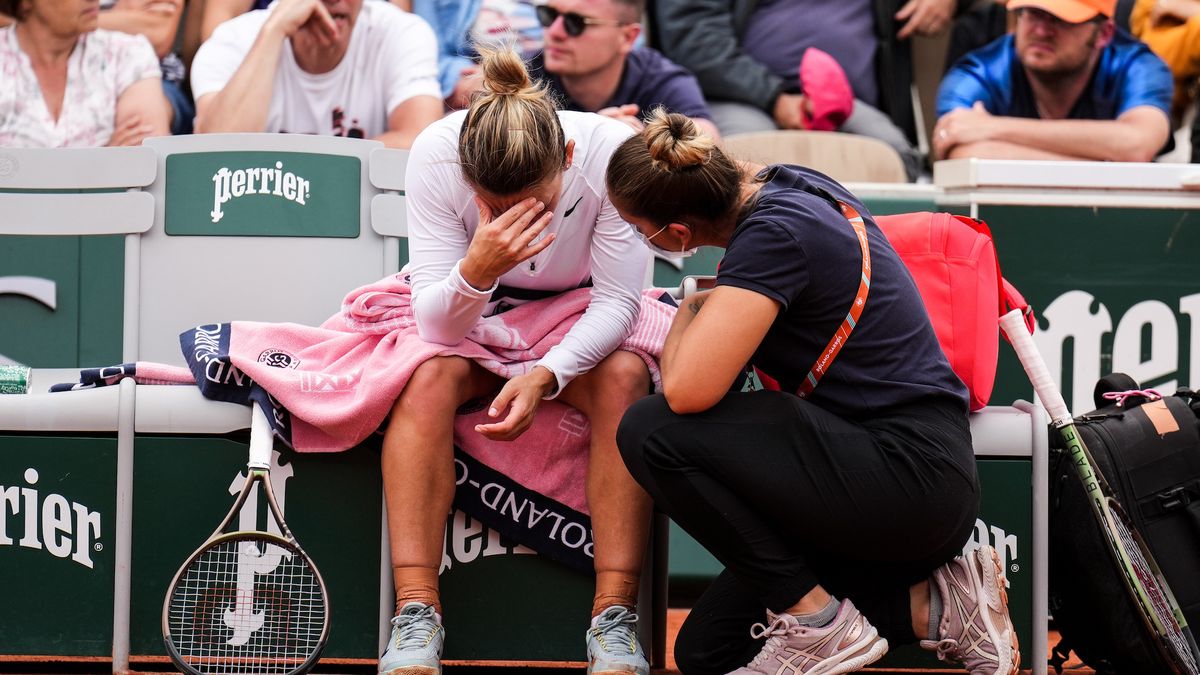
column 434, row 386
column 622, row 376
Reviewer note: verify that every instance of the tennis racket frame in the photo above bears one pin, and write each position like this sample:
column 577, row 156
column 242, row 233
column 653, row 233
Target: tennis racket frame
column 1105, row 506
column 258, row 473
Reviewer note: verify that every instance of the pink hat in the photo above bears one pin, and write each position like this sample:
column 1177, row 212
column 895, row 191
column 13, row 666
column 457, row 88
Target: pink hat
column 826, row 86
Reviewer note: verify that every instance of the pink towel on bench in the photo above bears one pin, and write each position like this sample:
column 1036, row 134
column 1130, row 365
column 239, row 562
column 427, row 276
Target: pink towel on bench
column 338, row 381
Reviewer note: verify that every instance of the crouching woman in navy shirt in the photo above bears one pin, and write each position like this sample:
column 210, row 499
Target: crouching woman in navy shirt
column 839, row 505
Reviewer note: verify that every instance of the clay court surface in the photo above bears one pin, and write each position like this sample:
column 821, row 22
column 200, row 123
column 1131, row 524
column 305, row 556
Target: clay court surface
column 675, row 617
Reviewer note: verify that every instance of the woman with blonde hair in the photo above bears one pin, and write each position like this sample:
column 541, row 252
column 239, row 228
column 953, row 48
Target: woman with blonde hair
column 506, row 204
column 856, row 478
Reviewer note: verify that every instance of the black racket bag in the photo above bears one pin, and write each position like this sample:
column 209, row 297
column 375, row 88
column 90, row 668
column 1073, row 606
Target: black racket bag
column 1149, row 451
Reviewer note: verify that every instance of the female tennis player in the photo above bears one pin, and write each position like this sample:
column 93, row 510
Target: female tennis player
column 506, row 204
column 840, row 504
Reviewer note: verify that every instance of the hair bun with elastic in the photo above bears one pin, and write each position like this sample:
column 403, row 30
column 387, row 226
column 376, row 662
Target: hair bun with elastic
column 675, row 142
column 504, row 73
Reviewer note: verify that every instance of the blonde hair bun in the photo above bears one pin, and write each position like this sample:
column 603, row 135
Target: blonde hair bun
column 504, row 72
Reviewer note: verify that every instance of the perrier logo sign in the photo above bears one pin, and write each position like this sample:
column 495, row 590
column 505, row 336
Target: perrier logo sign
column 265, row 180
column 283, row 194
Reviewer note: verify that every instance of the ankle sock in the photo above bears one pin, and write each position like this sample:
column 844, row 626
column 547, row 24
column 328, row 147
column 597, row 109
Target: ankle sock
column 822, row 617
column 935, row 611
column 416, row 584
column 615, row 587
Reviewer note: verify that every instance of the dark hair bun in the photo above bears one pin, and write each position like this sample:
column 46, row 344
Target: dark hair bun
column 675, row 142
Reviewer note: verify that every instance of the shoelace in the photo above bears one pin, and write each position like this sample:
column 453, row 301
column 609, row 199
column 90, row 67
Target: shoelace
column 1120, row 396
column 776, row 633
column 416, row 629
column 947, row 648
column 619, row 625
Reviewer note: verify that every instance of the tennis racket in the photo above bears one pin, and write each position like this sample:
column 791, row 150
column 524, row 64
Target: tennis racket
column 247, row 601
column 1143, row 579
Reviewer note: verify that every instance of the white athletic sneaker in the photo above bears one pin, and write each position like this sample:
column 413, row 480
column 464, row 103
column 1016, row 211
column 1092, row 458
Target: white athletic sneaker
column 847, row 644
column 612, row 644
column 415, row 647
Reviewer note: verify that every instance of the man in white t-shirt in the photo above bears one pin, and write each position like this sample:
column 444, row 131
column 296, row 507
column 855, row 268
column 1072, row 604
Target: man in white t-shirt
column 341, row 68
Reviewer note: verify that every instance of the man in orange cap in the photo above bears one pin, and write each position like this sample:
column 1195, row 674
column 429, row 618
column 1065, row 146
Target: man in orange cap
column 1066, row 84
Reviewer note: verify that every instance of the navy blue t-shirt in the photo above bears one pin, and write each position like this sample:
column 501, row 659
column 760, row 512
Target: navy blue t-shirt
column 797, row 248
column 1127, row 75
column 648, row 81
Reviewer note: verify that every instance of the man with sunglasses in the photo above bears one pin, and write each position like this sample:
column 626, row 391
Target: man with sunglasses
column 1067, row 84
column 593, row 64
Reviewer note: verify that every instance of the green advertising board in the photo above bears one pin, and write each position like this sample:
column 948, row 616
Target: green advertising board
column 184, row 486
column 1115, row 290
column 57, row 508
column 544, row 605
column 61, row 300
column 279, row 194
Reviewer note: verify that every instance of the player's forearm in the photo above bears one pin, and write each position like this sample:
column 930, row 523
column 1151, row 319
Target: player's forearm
column 243, row 103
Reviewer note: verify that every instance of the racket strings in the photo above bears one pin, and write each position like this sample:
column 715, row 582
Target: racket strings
column 1175, row 640
column 247, row 606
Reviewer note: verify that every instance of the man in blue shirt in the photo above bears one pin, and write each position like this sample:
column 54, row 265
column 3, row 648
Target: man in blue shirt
column 592, row 63
column 1067, row 84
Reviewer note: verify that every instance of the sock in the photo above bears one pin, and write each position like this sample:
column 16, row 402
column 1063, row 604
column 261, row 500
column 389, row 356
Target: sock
column 821, row 617
column 615, row 588
column 416, row 584
column 935, row 611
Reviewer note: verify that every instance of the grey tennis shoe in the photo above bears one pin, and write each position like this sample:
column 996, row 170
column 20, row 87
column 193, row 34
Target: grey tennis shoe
column 975, row 628
column 415, row 646
column 846, row 645
column 612, row 644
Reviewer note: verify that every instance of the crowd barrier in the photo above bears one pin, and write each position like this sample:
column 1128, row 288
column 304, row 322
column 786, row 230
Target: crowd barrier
column 106, row 255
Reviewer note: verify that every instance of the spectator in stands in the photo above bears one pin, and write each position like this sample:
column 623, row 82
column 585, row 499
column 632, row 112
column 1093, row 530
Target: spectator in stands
column 1067, row 84
column 1171, row 28
column 159, row 21
column 67, row 83
column 977, row 27
column 344, row 68
column 593, row 64
column 746, row 54
column 461, row 25
column 216, row 12
column 861, row 485
column 506, row 204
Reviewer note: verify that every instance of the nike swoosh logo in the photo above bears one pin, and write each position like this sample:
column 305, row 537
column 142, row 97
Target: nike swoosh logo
column 572, row 209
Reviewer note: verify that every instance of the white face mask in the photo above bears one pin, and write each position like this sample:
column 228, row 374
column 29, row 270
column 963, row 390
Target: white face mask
column 666, row 253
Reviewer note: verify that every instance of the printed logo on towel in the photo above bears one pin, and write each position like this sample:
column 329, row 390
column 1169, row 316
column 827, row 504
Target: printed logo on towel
column 278, row 358
column 289, row 194
column 574, row 423
column 240, row 616
column 50, row 521
column 1004, row 543
column 324, row 383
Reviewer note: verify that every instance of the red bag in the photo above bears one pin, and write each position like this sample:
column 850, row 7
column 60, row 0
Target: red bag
column 953, row 260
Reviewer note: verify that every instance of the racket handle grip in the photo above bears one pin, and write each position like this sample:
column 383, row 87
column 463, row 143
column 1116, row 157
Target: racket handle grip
column 262, row 438
column 1013, row 325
